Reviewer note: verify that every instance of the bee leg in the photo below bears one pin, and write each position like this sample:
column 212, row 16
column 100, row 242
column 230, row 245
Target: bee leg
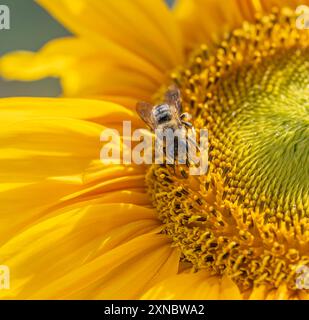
column 185, row 115
column 175, row 173
column 180, row 172
column 187, row 155
column 193, row 143
column 170, row 162
column 184, row 174
column 169, row 159
column 189, row 125
column 188, row 162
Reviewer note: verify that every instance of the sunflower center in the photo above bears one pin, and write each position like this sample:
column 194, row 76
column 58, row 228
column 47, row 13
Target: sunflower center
column 248, row 217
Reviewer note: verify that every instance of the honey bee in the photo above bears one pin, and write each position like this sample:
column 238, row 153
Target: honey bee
column 168, row 115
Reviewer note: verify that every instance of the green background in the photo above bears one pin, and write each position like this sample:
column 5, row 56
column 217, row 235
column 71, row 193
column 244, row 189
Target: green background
column 31, row 28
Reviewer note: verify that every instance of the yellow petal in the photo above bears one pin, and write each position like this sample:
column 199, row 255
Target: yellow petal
column 133, row 196
column 199, row 286
column 203, row 21
column 97, row 78
column 121, row 52
column 258, row 293
column 86, row 70
column 124, row 272
column 144, row 27
column 68, row 239
column 20, row 109
column 263, row 292
column 47, row 158
column 303, row 295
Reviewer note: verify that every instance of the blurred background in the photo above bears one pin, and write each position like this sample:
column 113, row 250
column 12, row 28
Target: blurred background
column 31, row 28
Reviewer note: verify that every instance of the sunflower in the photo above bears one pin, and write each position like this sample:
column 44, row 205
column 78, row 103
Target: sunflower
column 73, row 228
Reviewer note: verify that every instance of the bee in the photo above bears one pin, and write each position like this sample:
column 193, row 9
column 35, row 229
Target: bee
column 168, row 115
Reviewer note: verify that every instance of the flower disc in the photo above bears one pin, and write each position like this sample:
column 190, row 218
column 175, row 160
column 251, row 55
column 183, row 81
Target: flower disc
column 248, row 217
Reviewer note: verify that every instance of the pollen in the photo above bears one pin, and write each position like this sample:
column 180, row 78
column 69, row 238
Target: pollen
column 248, row 217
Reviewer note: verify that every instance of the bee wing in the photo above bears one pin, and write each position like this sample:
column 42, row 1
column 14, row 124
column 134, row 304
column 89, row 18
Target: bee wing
column 144, row 111
column 173, row 97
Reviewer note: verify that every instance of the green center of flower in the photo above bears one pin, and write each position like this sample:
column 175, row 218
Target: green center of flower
column 248, row 217
column 264, row 132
